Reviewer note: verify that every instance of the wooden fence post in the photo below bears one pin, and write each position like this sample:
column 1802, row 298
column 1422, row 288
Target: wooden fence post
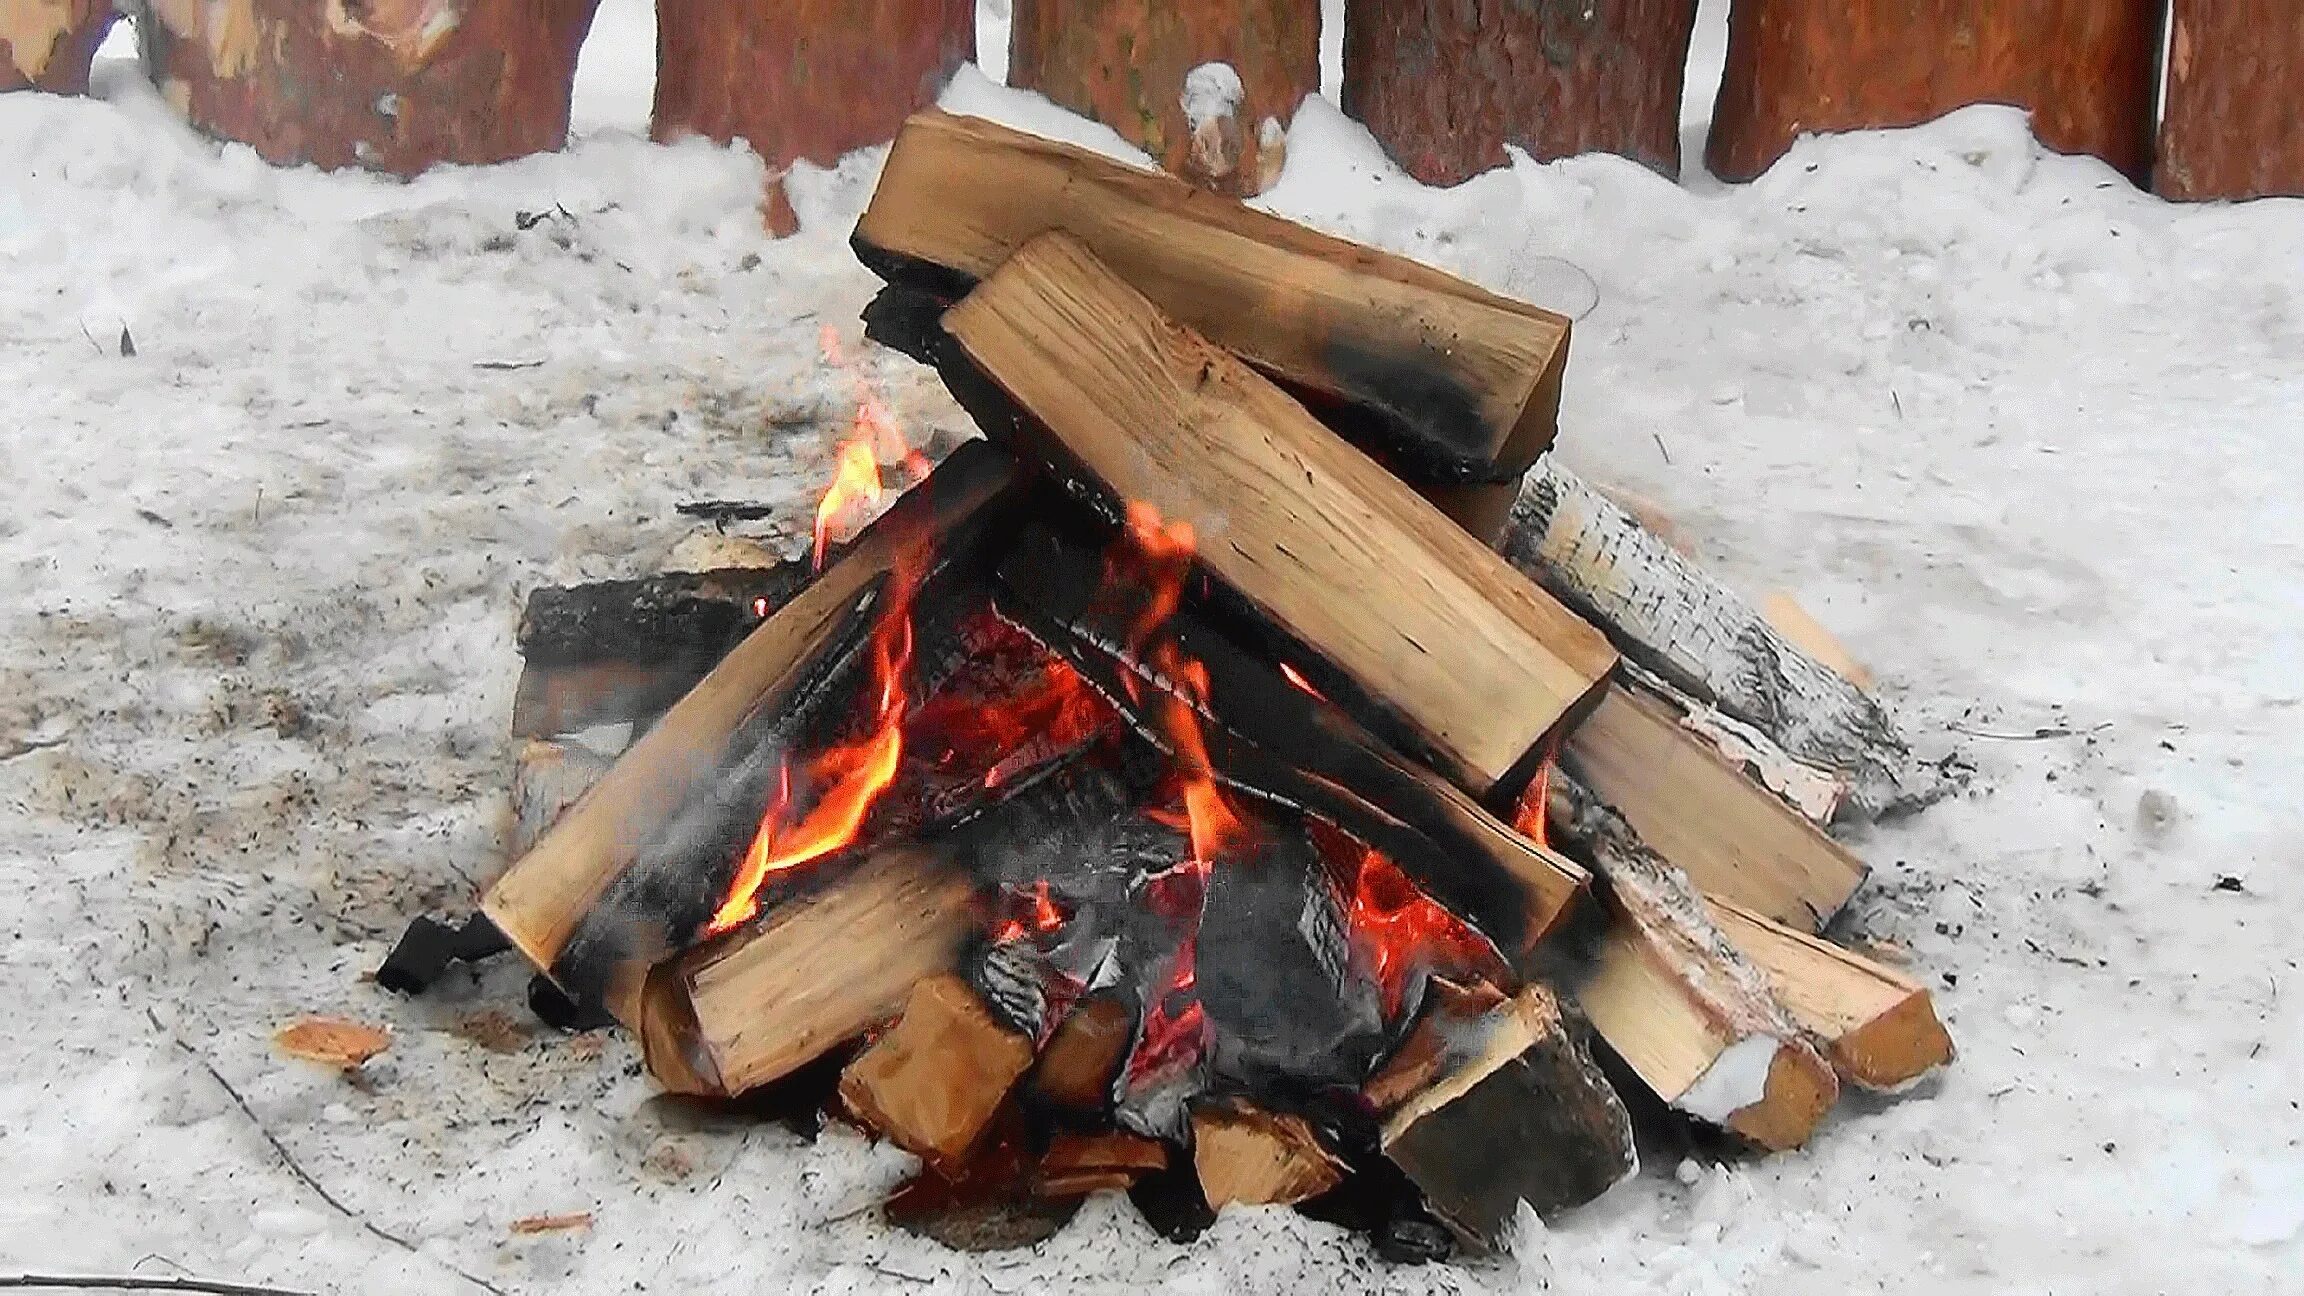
column 2234, row 123
column 803, row 79
column 390, row 85
column 48, row 44
column 1145, row 68
column 1445, row 84
column 2086, row 69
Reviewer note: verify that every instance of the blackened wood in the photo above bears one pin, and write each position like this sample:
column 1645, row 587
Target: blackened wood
column 1455, row 383
column 678, row 618
column 429, row 947
column 2231, row 128
column 2087, row 69
column 1445, row 85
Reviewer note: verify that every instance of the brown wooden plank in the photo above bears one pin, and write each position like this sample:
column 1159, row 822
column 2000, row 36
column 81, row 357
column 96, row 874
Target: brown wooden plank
column 1331, row 548
column 1465, row 380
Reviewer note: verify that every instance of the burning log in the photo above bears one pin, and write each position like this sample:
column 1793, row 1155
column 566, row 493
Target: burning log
column 1671, row 617
column 1696, row 810
column 803, row 79
column 1456, row 386
column 935, row 1080
column 820, row 970
column 1677, row 1001
column 1878, row 1026
column 1327, row 546
column 393, row 87
column 1207, row 88
column 49, row 44
column 1247, row 1156
column 1502, row 1108
column 1445, row 87
column 2230, row 129
column 543, row 901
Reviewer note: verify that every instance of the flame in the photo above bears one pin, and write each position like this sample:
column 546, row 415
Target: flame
column 1041, row 916
column 1296, row 677
column 1396, row 929
column 1532, row 817
column 1176, row 1027
column 874, row 438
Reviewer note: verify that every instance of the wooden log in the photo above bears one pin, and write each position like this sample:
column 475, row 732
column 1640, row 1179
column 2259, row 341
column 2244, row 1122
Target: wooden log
column 548, row 778
column 1247, row 1156
column 49, row 44
column 1332, row 550
column 756, row 1005
column 1075, row 1072
column 1678, row 1002
column 543, row 900
column 1314, row 756
column 1445, row 86
column 1112, row 1161
column 803, row 80
column 1451, row 1028
column 1525, row 1116
column 2230, row 128
column 1699, row 812
column 1878, row 1026
column 1208, row 87
column 675, row 618
column 1452, row 383
column 1671, row 617
column 552, row 701
column 2086, row 69
column 933, row 1082
column 391, row 85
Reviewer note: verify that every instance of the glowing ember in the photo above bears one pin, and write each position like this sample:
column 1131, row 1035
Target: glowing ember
column 1396, row 929
column 1296, row 677
column 1176, row 1026
column 1040, row 915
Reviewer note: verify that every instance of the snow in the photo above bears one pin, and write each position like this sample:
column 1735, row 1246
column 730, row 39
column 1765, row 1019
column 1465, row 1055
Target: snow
column 2025, row 438
column 1212, row 92
column 1736, row 1079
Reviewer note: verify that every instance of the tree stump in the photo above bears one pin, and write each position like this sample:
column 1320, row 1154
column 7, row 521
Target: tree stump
column 390, row 85
column 48, row 44
column 2085, row 68
column 2231, row 128
column 1205, row 86
column 1445, row 84
column 803, row 79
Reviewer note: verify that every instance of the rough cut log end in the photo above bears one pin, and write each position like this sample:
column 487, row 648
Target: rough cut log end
column 50, row 44
column 1206, row 86
column 2231, row 128
column 1878, row 1026
column 407, row 84
column 1446, row 87
column 1250, row 1157
column 933, row 1082
column 2088, row 70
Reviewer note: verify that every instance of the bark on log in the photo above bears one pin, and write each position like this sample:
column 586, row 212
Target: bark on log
column 49, row 44
column 1142, row 68
column 2086, row 69
column 1334, row 551
column 803, row 80
column 1877, row 1025
column 2231, row 128
column 389, row 85
column 1524, row 1117
column 1451, row 383
column 1684, row 1008
column 1445, row 85
column 1671, row 617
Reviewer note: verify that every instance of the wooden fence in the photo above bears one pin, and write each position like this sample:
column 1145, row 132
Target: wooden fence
column 1209, row 86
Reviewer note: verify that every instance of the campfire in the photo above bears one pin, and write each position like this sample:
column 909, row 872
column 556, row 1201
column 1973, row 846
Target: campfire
column 1177, row 791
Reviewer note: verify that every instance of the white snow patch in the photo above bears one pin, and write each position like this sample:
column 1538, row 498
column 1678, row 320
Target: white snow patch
column 1212, row 92
column 1736, row 1079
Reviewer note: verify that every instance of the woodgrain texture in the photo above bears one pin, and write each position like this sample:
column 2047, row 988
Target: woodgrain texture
column 2231, row 127
column 1333, row 549
column 2086, row 68
column 1444, row 85
column 1878, row 1026
column 1124, row 63
column 389, row 85
column 932, row 1082
column 803, row 79
column 1247, row 1156
column 1455, row 382
column 49, row 44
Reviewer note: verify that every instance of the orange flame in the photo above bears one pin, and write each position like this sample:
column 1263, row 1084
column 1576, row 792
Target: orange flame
column 1397, row 929
column 1296, row 677
column 874, row 438
column 1531, row 817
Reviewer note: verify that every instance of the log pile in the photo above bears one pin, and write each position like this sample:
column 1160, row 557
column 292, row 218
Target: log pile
column 1166, row 796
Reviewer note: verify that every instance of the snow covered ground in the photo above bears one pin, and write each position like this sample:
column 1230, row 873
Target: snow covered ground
column 2027, row 439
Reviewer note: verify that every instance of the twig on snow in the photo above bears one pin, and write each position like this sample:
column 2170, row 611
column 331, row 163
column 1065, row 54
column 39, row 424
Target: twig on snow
column 138, row 1282
column 303, row 1176
column 2045, row 731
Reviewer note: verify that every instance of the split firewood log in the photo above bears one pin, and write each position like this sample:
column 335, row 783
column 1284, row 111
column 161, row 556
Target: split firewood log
column 1076, row 1070
column 1677, row 1000
column 932, row 1083
column 547, row 778
column 803, row 79
column 1113, row 1161
column 49, row 44
column 1670, row 617
column 1878, row 1026
column 394, row 86
column 1207, row 88
column 1511, row 1109
column 2086, row 69
column 1066, row 362
column 1444, row 87
column 1248, row 1156
column 2230, row 128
